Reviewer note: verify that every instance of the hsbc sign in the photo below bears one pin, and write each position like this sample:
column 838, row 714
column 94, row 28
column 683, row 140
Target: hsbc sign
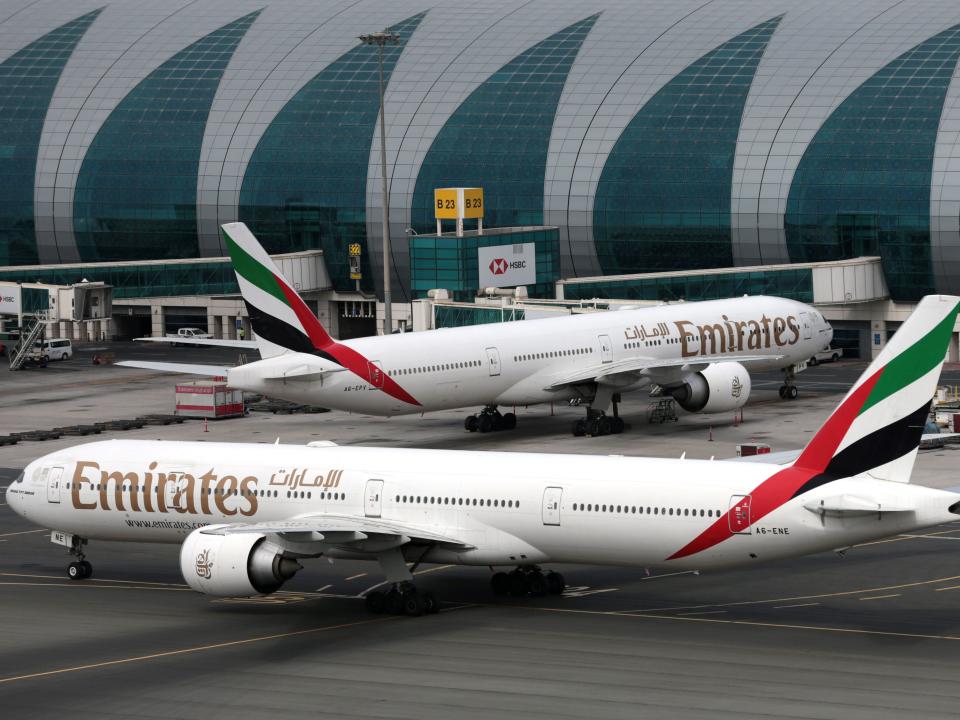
column 9, row 300
column 507, row 265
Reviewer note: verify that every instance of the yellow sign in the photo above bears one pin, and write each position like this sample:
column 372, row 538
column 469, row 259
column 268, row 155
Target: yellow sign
column 354, row 249
column 445, row 203
column 473, row 202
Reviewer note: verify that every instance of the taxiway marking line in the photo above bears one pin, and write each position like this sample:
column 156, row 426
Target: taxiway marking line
column 753, row 623
column 881, row 597
column 354, row 577
column 93, row 580
column 703, row 612
column 783, row 607
column 94, row 587
column 433, row 569
column 944, row 589
column 24, row 532
column 666, row 575
column 933, row 537
column 900, row 538
column 197, row 649
column 321, row 589
column 841, row 593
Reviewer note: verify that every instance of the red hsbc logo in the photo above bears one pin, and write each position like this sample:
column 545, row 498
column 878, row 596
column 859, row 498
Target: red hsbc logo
column 498, row 266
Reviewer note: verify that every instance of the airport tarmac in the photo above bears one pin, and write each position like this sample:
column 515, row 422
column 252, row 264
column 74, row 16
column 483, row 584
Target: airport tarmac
column 873, row 634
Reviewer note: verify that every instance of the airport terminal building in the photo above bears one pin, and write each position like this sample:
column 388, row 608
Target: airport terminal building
column 642, row 137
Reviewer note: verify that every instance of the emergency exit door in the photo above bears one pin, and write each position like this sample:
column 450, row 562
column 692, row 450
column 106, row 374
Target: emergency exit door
column 805, row 324
column 373, row 498
column 551, row 505
column 606, row 348
column 493, row 361
column 54, row 479
column 739, row 515
column 375, row 371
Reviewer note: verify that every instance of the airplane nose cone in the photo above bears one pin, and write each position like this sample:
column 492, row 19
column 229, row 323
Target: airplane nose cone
column 13, row 494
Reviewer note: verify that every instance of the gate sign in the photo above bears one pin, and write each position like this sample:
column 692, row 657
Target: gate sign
column 10, row 300
column 507, row 265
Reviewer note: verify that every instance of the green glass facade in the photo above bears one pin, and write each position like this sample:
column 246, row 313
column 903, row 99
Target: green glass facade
column 450, row 262
column 863, row 184
column 306, row 183
column 27, row 81
column 136, row 194
column 796, row 284
column 498, row 137
column 663, row 200
column 450, row 316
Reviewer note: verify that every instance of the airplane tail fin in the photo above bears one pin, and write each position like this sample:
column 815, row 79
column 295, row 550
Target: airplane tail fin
column 281, row 320
column 876, row 430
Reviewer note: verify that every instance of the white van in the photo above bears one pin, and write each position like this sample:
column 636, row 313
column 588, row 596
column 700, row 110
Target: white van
column 53, row 349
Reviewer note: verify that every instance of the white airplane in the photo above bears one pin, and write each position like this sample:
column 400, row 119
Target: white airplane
column 695, row 352
column 247, row 514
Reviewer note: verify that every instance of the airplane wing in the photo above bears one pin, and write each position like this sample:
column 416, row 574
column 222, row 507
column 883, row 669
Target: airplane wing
column 358, row 533
column 615, row 372
column 211, row 342
column 185, row 368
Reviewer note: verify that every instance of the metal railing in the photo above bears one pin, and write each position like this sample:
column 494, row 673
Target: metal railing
column 34, row 327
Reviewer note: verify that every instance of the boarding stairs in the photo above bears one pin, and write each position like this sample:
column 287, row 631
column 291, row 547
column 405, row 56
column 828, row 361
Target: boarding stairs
column 31, row 330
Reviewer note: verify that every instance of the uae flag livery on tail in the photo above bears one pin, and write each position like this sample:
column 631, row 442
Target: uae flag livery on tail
column 875, row 431
column 281, row 320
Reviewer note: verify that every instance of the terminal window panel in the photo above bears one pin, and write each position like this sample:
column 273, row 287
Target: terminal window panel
column 498, row 137
column 27, row 81
column 305, row 186
column 663, row 199
column 863, row 184
column 136, row 192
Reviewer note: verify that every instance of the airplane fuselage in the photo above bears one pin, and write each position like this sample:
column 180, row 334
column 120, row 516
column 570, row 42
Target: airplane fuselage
column 529, row 362
column 511, row 508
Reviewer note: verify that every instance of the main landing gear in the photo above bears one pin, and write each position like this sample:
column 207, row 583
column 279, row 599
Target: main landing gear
column 598, row 422
column 402, row 599
column 490, row 420
column 527, row 580
column 788, row 391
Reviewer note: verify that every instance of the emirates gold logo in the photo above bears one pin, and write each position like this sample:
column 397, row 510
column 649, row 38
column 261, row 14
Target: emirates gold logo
column 204, row 565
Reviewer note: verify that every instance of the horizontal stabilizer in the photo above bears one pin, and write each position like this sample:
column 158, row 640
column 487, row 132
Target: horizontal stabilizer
column 209, row 342
column 852, row 505
column 784, row 457
column 183, row 368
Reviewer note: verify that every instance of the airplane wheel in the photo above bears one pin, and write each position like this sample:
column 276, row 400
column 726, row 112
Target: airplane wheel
column 509, row 421
column 413, row 603
column 471, row 424
column 430, row 604
column 498, row 423
column 518, row 584
column 555, row 583
column 538, row 584
column 500, row 584
column 375, row 602
column 579, row 428
column 485, row 423
column 617, row 425
column 87, row 569
column 75, row 571
column 792, row 392
column 604, row 425
column 394, row 602
column 593, row 427
column 783, row 392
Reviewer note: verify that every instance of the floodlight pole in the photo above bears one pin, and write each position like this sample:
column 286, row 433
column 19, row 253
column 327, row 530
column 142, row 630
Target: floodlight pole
column 380, row 39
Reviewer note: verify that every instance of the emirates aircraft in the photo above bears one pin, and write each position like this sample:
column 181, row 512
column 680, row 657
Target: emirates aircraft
column 695, row 352
column 248, row 514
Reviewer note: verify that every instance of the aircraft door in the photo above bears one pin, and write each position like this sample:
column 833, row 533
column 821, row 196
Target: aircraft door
column 375, row 370
column 373, row 498
column 551, row 505
column 175, row 491
column 54, row 479
column 739, row 515
column 606, row 349
column 493, row 361
column 805, row 324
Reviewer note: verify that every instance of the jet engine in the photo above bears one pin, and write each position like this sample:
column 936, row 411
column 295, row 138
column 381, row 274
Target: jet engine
column 719, row 388
column 234, row 565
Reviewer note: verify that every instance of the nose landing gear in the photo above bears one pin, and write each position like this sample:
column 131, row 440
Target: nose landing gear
column 788, row 391
column 490, row 420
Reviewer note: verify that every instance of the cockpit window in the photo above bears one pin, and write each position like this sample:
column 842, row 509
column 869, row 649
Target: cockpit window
column 19, row 477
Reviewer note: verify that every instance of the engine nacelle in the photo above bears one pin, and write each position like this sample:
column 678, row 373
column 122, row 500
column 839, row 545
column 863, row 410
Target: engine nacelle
column 234, row 565
column 721, row 387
